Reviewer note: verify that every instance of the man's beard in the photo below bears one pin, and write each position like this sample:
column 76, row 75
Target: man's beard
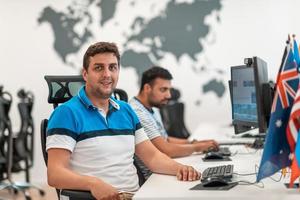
column 104, row 95
column 159, row 104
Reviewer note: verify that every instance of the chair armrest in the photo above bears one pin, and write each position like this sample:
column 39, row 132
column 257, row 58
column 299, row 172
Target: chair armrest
column 77, row 194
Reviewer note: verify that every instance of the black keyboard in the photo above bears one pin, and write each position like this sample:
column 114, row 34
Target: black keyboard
column 222, row 171
column 224, row 151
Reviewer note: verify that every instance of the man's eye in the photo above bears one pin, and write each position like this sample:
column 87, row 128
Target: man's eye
column 113, row 67
column 98, row 68
column 164, row 90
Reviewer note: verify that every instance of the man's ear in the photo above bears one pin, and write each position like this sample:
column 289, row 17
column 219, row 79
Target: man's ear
column 84, row 74
column 147, row 87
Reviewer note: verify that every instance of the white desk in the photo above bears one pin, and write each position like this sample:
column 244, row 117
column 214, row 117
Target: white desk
column 167, row 187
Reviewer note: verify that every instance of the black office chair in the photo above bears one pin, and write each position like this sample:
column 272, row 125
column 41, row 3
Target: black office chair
column 23, row 141
column 72, row 194
column 5, row 140
column 120, row 94
column 173, row 116
column 6, row 146
column 61, row 89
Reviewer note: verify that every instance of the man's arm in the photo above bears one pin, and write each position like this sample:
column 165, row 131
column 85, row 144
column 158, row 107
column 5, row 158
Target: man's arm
column 177, row 140
column 160, row 163
column 175, row 150
column 62, row 177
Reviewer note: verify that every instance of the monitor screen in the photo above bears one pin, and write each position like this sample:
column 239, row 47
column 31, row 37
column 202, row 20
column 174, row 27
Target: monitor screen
column 250, row 97
column 244, row 95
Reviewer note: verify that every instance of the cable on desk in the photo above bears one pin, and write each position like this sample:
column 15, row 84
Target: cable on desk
column 275, row 179
column 248, row 182
column 255, row 183
column 249, row 174
column 270, row 177
column 251, row 183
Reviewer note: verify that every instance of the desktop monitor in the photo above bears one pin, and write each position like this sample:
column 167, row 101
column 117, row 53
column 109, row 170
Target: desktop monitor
column 250, row 95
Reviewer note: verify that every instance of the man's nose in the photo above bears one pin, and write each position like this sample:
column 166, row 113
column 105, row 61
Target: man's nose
column 168, row 94
column 106, row 72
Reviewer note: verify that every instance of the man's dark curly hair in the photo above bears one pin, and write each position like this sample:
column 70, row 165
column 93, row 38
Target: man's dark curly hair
column 154, row 72
column 98, row 48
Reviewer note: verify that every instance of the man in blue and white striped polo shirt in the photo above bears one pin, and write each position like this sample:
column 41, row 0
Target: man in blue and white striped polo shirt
column 92, row 138
column 155, row 92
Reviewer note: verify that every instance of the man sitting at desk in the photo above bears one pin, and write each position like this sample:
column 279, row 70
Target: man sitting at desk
column 155, row 92
column 92, row 138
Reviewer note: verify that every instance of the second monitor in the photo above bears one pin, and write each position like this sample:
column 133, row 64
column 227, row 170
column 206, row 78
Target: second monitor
column 251, row 95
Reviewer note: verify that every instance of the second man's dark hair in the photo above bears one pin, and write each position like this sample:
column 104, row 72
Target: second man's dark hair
column 98, row 48
column 154, row 72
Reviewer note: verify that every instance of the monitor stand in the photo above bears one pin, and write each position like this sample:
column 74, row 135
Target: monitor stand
column 258, row 143
column 259, row 138
column 253, row 133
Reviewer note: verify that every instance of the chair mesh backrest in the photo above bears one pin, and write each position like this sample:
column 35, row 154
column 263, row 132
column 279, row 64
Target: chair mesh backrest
column 4, row 105
column 173, row 116
column 5, row 135
column 120, row 95
column 24, row 143
column 63, row 88
column 43, row 139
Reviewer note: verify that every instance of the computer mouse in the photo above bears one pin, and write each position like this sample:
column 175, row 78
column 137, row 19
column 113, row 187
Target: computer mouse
column 215, row 182
column 213, row 156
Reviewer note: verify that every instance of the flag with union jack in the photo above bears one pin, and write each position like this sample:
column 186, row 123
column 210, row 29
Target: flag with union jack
column 277, row 150
column 294, row 125
column 293, row 139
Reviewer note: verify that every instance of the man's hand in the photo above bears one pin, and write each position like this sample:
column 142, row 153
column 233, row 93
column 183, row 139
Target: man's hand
column 103, row 191
column 187, row 173
column 206, row 145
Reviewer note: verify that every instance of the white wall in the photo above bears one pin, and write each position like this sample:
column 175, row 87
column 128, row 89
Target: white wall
column 247, row 28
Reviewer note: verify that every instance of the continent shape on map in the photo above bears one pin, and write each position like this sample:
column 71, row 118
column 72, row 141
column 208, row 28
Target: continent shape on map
column 176, row 31
column 179, row 30
column 214, row 86
column 108, row 9
column 66, row 39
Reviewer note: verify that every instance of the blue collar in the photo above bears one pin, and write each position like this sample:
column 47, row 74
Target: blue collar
column 87, row 102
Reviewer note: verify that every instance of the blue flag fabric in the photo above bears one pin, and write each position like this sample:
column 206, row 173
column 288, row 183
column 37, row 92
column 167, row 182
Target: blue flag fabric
column 297, row 150
column 296, row 53
column 277, row 151
column 297, row 58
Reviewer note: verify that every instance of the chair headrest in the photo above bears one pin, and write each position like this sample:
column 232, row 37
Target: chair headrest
column 63, row 88
column 5, row 97
column 120, row 94
column 175, row 94
column 5, row 104
column 25, row 96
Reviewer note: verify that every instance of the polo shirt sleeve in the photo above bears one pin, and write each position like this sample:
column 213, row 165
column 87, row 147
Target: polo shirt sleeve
column 61, row 130
column 139, row 134
column 148, row 122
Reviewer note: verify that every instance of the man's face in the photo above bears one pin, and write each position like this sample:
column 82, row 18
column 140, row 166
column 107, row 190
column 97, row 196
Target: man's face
column 159, row 92
column 102, row 75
